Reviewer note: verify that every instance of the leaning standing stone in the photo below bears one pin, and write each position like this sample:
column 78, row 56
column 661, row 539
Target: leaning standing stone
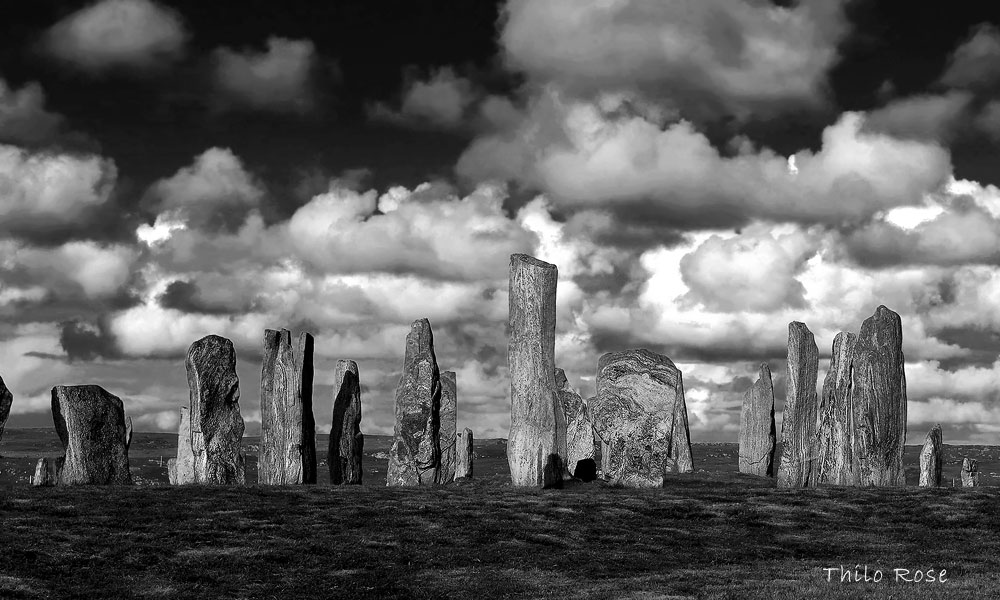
column 464, row 455
column 449, row 426
column 288, row 432
column 970, row 473
column 47, row 472
column 930, row 458
column 798, row 425
column 415, row 456
column 346, row 439
column 835, row 463
column 216, row 424
column 579, row 451
column 6, row 399
column 757, row 432
column 91, row 426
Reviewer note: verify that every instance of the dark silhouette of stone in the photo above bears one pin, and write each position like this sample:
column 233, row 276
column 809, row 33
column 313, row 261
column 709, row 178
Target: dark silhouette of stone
column 449, row 426
column 931, row 458
column 970, row 473
column 537, row 422
column 288, row 431
column 90, row 423
column 580, row 450
column 415, row 456
column 6, row 400
column 216, row 424
column 47, row 472
column 346, row 440
column 798, row 425
column 878, row 400
column 180, row 470
column 835, row 438
column 464, row 456
column 641, row 417
column 757, row 431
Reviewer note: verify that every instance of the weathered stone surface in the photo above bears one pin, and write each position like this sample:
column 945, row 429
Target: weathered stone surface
column 878, row 400
column 128, row 432
column 580, row 453
column 47, row 472
column 835, row 438
column 537, row 422
column 931, row 458
column 798, row 425
column 641, row 417
column 6, row 400
column 757, row 432
column 464, row 457
column 183, row 467
column 346, row 440
column 288, row 431
column 216, row 424
column 172, row 471
column 415, row 455
column 449, row 426
column 90, row 423
column 970, row 473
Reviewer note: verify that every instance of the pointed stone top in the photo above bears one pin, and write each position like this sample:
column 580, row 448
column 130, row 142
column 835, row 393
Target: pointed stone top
column 798, row 325
column 531, row 260
column 561, row 379
column 764, row 370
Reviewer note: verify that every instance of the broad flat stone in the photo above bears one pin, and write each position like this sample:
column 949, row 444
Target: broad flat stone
column 415, row 456
column 216, row 423
column 464, row 456
column 757, row 431
column 47, row 472
column 798, row 424
column 90, row 423
column 344, row 453
column 288, row 431
column 931, row 458
column 6, row 400
column 449, row 426
column 580, row 452
column 970, row 473
column 835, row 462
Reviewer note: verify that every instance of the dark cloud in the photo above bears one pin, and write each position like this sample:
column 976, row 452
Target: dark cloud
column 188, row 297
column 975, row 64
column 86, row 342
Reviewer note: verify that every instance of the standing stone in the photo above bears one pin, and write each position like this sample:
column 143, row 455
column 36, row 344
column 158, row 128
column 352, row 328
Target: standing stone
column 6, row 399
column 182, row 470
column 346, row 440
column 835, row 438
column 464, row 455
column 172, row 471
column 580, row 454
column 641, row 417
column 47, row 472
column 798, row 425
column 930, row 458
column 216, row 424
column 91, row 426
column 128, row 432
column 970, row 473
column 537, row 422
column 878, row 399
column 288, row 431
column 449, row 426
column 415, row 456
column 757, row 431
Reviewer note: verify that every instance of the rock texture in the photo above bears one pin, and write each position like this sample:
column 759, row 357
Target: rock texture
column 346, row 440
column 580, row 453
column 6, row 399
column 970, row 473
column 537, row 422
column 90, row 423
column 47, row 472
column 640, row 415
column 216, row 424
column 835, row 438
column 931, row 458
column 288, row 431
column 757, row 431
column 878, row 400
column 464, row 456
column 415, row 456
column 798, row 425
column 181, row 469
column 449, row 426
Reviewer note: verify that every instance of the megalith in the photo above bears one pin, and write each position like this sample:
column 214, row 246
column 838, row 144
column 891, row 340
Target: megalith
column 415, row 456
column 47, row 472
column 6, row 400
column 90, row 423
column 346, row 440
column 216, row 423
column 641, row 416
column 180, row 470
column 970, row 472
column 798, row 424
column 449, row 426
column 580, row 454
column 463, row 456
column 537, row 423
column 835, row 437
column 757, row 431
column 288, row 431
column 931, row 458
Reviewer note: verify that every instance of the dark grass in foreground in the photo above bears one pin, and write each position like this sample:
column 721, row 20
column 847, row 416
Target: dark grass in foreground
column 701, row 537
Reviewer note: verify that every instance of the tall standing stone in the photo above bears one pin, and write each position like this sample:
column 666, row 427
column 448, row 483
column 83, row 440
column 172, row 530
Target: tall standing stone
column 798, row 425
column 216, row 424
column 47, row 472
column 835, row 438
column 970, row 473
column 346, row 440
column 931, row 459
column 288, row 431
column 90, row 423
column 580, row 453
column 537, row 422
column 757, row 431
column 641, row 416
column 415, row 456
column 449, row 426
column 6, row 400
column 878, row 400
column 464, row 455
column 180, row 470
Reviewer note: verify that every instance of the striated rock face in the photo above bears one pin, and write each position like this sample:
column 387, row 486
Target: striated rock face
column 90, row 422
column 931, row 458
column 183, row 465
column 47, row 472
column 463, row 455
column 216, row 424
column 580, row 453
column 537, row 422
column 878, row 400
column 757, row 432
column 172, row 471
column 415, row 456
column 798, row 425
column 835, row 438
column 288, row 431
column 640, row 414
column 346, row 440
column 970, row 473
column 449, row 426
column 6, row 399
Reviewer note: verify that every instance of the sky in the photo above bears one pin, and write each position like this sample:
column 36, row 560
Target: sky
column 702, row 172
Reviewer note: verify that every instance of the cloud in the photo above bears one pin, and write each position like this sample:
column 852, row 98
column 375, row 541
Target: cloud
column 23, row 118
column 99, row 270
column 975, row 64
column 278, row 79
column 442, row 100
column 138, row 34
column 934, row 117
